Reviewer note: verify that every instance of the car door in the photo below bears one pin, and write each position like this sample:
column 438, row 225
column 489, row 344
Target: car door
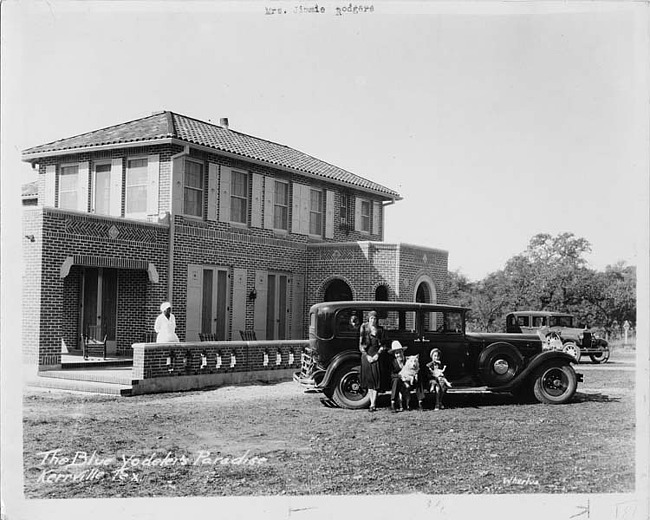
column 445, row 331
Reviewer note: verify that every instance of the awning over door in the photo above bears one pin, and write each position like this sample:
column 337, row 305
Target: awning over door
column 110, row 262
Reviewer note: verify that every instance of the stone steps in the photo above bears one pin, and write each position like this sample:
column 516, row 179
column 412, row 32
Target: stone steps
column 77, row 385
column 119, row 376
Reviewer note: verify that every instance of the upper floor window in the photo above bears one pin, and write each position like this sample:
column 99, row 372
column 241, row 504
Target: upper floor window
column 136, row 187
column 315, row 212
column 68, row 182
column 239, row 197
column 365, row 216
column 281, row 206
column 102, row 189
column 193, row 194
column 346, row 210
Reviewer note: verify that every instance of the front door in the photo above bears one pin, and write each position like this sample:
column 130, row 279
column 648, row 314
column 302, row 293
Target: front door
column 207, row 302
column 99, row 303
column 213, row 307
column 277, row 308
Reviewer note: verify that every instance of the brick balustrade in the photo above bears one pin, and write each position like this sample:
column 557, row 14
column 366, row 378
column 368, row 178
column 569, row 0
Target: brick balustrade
column 210, row 358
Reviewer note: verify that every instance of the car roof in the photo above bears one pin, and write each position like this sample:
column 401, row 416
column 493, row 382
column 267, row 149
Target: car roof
column 539, row 313
column 395, row 306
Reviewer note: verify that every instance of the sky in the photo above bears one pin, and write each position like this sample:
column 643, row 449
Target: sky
column 493, row 125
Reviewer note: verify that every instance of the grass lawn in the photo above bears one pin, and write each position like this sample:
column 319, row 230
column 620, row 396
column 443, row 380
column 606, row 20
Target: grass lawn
column 276, row 439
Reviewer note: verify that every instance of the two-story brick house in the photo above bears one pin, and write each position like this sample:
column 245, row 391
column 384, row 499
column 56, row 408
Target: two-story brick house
column 237, row 232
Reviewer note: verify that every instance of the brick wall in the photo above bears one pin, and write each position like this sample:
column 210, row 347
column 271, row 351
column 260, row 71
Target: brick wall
column 52, row 303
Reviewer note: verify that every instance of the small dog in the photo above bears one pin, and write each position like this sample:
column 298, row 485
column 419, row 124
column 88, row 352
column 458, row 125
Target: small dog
column 438, row 375
column 409, row 374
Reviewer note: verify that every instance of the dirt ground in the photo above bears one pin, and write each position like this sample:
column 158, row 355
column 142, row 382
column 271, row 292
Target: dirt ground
column 274, row 439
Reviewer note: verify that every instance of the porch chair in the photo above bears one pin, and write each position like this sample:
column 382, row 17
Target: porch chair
column 93, row 341
column 248, row 335
column 149, row 337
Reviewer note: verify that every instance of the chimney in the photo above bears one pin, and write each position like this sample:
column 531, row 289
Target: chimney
column 224, row 122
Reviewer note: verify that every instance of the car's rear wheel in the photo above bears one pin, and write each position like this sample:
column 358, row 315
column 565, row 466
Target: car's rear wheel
column 554, row 384
column 600, row 357
column 573, row 350
column 347, row 391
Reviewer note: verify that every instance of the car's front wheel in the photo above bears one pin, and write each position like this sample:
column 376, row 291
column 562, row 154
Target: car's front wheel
column 573, row 350
column 347, row 389
column 554, row 384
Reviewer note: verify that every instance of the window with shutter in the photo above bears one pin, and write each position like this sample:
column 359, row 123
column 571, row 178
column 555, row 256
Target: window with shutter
column 365, row 216
column 137, row 177
column 239, row 197
column 193, row 189
column 68, row 183
column 101, row 189
column 315, row 212
column 281, row 206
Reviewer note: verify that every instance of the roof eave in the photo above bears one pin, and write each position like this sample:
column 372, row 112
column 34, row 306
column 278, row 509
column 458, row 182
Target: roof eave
column 32, row 157
column 385, row 195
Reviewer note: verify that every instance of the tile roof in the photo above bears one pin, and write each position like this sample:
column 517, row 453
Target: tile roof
column 164, row 125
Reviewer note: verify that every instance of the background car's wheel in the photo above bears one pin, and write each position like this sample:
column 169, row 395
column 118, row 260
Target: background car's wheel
column 573, row 350
column 346, row 388
column 499, row 364
column 554, row 384
column 600, row 357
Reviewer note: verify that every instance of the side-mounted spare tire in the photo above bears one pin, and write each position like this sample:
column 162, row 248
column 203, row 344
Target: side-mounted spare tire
column 499, row 363
column 345, row 388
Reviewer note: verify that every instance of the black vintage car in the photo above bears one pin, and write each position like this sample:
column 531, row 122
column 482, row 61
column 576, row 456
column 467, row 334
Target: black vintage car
column 497, row 362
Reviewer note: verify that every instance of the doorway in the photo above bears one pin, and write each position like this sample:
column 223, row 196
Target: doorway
column 338, row 291
column 277, row 308
column 207, row 302
column 99, row 303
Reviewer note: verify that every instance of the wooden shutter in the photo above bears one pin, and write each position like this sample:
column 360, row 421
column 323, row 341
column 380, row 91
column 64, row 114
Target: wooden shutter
column 376, row 218
column 269, row 203
column 297, row 308
column 238, row 302
column 82, row 186
column 357, row 214
column 193, row 302
column 329, row 214
column 296, row 194
column 213, row 190
column 153, row 170
column 49, row 193
column 256, row 203
column 177, row 185
column 261, row 286
column 115, row 198
column 224, row 194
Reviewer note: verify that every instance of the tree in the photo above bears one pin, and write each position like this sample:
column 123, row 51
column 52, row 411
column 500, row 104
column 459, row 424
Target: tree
column 551, row 274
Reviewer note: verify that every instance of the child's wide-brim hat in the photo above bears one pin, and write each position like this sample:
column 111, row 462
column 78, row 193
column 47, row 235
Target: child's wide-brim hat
column 396, row 346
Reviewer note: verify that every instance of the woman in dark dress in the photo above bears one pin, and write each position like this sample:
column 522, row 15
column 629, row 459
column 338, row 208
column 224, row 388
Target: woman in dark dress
column 371, row 344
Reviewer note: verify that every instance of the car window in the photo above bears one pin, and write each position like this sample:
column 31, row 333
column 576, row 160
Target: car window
column 539, row 321
column 561, row 321
column 444, row 322
column 523, row 321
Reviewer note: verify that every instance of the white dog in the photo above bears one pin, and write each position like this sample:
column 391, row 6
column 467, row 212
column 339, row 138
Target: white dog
column 409, row 374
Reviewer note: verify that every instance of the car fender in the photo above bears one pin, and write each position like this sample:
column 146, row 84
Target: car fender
column 534, row 363
column 336, row 362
